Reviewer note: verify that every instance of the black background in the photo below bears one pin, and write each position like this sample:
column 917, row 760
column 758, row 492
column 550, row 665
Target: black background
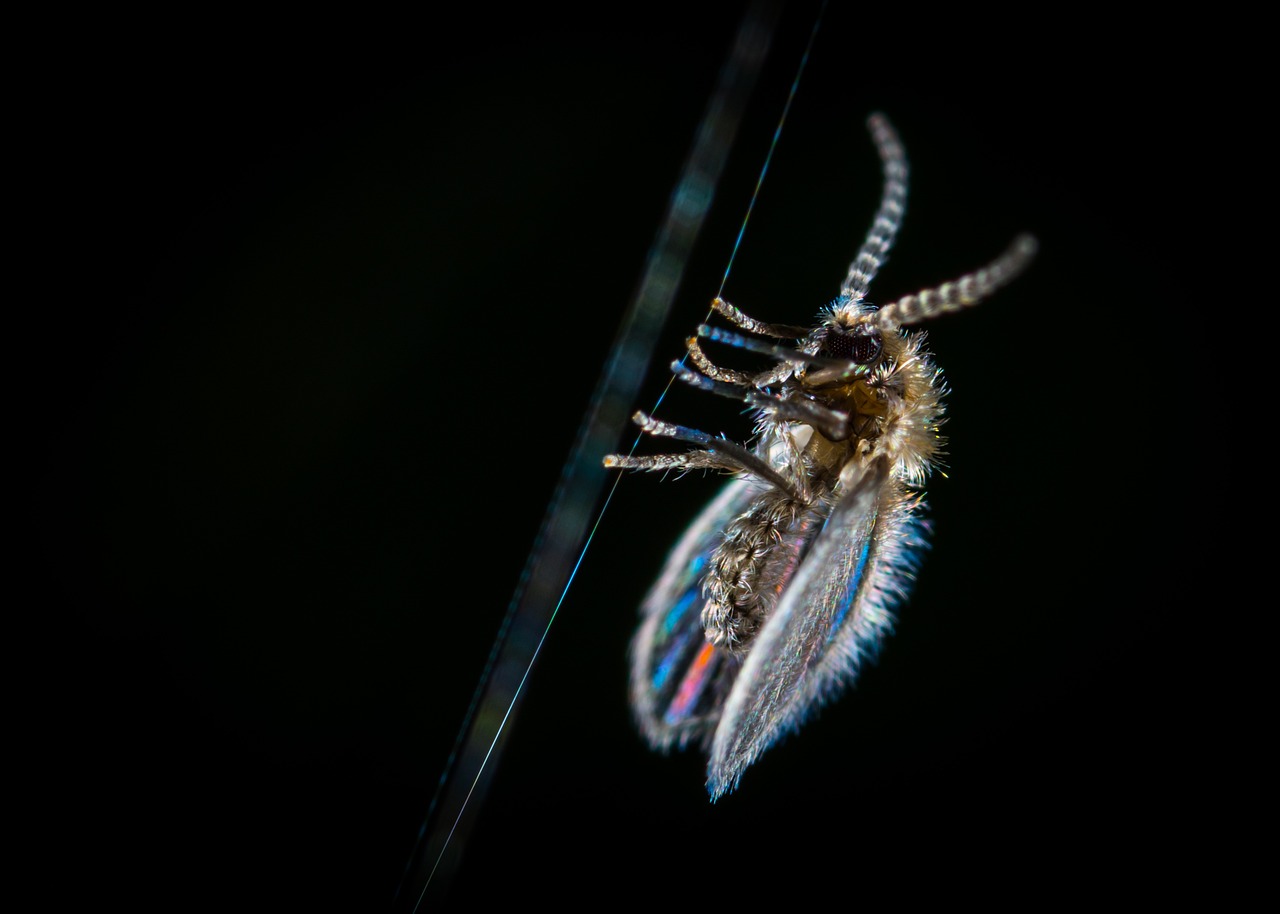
column 328, row 302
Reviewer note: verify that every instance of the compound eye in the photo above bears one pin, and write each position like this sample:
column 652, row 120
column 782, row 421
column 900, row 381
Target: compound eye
column 862, row 344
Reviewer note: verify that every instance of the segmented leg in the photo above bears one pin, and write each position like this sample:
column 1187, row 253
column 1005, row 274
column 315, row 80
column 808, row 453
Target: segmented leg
column 693, row 460
column 833, row 424
column 893, row 204
column 789, row 354
column 744, row 379
column 731, row 389
column 751, row 325
column 716, row 454
column 711, row 370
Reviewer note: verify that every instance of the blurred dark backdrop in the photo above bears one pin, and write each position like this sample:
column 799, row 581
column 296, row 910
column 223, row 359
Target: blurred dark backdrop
column 329, row 303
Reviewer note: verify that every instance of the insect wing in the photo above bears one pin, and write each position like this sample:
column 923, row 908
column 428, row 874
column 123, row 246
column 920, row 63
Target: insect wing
column 833, row 612
column 679, row 681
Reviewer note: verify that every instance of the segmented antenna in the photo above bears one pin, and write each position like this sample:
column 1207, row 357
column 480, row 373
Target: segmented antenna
column 893, row 204
column 967, row 290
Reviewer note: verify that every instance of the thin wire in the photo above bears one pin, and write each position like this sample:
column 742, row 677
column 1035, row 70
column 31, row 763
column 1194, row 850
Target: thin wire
column 690, row 202
column 777, row 132
column 742, row 229
column 493, row 703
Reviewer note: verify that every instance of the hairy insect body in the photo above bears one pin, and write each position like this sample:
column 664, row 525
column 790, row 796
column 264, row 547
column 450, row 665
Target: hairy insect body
column 785, row 583
column 894, row 412
column 741, row 586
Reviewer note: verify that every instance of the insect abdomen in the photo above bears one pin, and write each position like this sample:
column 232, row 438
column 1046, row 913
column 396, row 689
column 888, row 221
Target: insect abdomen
column 743, row 582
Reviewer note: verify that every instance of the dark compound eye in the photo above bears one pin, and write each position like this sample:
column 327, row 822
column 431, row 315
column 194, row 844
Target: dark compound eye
column 862, row 344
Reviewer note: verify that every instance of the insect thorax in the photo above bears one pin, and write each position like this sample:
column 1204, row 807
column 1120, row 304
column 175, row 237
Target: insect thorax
column 892, row 410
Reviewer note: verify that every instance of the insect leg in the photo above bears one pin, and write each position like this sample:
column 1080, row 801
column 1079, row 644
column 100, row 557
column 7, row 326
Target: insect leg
column 717, row 453
column 833, row 424
column 693, row 460
column 787, row 354
column 711, row 370
column 730, row 381
column 723, row 388
column 751, row 325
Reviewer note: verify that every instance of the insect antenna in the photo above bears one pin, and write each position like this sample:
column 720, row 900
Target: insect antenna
column 961, row 293
column 888, row 219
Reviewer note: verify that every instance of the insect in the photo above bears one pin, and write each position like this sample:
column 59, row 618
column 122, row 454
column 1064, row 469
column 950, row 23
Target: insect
column 788, row 580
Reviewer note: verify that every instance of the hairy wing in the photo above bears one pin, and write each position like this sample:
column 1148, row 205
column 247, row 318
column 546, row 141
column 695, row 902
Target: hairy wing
column 679, row 682
column 835, row 611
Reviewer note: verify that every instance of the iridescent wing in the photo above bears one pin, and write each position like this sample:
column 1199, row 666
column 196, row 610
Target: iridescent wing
column 679, row 681
column 833, row 614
